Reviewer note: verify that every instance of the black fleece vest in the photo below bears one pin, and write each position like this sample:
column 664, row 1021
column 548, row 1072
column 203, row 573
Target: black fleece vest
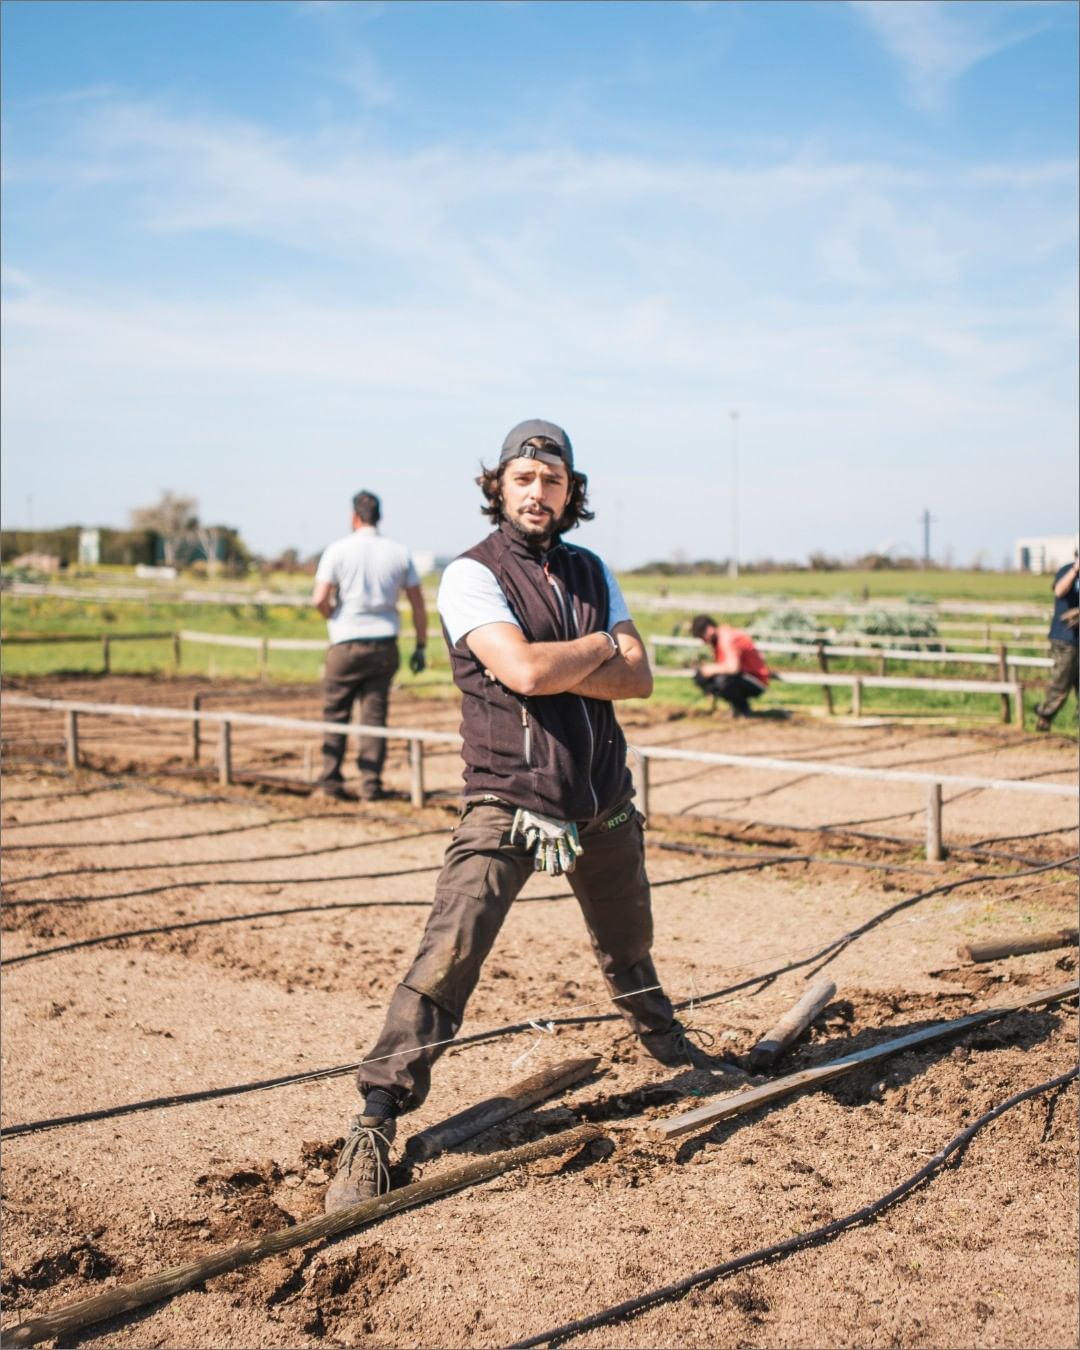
column 560, row 754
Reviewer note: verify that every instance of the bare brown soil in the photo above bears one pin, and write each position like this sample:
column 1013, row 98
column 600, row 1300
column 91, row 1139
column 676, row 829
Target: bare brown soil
column 767, row 871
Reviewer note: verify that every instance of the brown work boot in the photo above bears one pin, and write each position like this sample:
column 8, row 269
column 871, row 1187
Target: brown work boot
column 363, row 1165
column 674, row 1048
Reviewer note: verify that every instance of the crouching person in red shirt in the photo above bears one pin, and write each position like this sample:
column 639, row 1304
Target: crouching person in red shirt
column 738, row 673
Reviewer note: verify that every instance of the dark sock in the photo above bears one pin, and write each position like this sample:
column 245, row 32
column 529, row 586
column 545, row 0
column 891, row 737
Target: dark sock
column 381, row 1103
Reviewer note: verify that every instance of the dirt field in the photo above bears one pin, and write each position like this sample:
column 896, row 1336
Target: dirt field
column 766, row 870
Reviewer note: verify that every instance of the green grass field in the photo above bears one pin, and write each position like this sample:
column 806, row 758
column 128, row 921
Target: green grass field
column 53, row 616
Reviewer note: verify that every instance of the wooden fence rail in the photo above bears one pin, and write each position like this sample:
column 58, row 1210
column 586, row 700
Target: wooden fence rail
column 1009, row 689
column 417, row 738
column 877, row 649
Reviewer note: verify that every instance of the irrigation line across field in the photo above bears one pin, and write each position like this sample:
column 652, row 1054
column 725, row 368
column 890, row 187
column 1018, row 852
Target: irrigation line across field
column 759, row 981
column 106, row 815
column 755, row 863
column 813, row 1237
column 223, row 862
column 198, row 834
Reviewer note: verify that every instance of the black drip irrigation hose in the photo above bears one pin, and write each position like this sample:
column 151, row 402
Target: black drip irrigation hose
column 174, row 838
column 972, row 850
column 207, row 882
column 59, row 796
column 221, row 862
column 303, row 909
column 762, row 980
column 106, row 815
column 777, row 1250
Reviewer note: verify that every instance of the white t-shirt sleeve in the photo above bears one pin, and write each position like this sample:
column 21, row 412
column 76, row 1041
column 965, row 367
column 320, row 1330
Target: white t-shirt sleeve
column 327, row 569
column 469, row 597
column 618, row 610
column 411, row 576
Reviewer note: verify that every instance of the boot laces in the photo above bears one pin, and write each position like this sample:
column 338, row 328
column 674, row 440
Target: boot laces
column 373, row 1155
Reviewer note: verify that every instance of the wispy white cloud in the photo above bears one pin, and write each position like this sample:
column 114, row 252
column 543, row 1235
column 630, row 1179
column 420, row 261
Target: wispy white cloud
column 862, row 317
column 937, row 42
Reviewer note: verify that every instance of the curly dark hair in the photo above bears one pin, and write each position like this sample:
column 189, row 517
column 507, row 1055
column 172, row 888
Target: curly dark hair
column 577, row 507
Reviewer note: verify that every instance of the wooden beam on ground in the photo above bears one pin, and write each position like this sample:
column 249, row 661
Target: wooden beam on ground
column 1034, row 942
column 65, row 1322
column 791, row 1026
column 474, row 1120
column 743, row 1102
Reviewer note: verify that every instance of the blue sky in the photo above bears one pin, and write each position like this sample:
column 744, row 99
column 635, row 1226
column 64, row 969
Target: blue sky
column 266, row 254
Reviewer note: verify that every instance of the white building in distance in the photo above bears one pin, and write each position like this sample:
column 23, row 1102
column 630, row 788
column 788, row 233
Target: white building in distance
column 1044, row 553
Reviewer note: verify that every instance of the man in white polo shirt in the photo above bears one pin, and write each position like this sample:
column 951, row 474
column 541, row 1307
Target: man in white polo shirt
column 357, row 585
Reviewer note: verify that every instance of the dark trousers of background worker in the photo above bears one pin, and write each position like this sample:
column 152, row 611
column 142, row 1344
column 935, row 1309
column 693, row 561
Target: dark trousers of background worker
column 358, row 670
column 1063, row 677
column 481, row 877
column 737, row 690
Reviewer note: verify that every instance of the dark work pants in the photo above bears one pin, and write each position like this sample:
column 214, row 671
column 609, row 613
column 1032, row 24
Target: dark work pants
column 481, row 877
column 1063, row 677
column 364, row 671
column 733, row 689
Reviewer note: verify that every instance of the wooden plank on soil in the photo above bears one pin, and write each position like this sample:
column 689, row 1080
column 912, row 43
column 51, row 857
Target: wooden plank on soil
column 791, row 1026
column 743, row 1102
column 1033, row 942
column 66, row 1321
column 520, row 1096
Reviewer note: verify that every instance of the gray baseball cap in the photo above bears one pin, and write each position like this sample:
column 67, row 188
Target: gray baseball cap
column 557, row 448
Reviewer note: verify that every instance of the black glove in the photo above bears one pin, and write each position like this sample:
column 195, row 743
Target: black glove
column 418, row 660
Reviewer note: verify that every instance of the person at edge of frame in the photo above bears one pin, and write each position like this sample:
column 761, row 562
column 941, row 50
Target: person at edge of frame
column 541, row 645
column 357, row 585
column 737, row 673
column 1064, row 644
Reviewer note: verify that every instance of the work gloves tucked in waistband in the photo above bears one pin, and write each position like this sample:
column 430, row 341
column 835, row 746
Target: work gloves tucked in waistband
column 556, row 843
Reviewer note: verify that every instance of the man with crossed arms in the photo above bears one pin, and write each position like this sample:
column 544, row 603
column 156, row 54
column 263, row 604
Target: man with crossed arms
column 541, row 645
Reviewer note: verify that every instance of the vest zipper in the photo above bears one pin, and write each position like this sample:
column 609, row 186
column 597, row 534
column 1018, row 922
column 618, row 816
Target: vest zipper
column 526, row 736
column 569, row 619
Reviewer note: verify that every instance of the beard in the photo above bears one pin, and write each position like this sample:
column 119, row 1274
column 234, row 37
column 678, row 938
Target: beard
column 534, row 534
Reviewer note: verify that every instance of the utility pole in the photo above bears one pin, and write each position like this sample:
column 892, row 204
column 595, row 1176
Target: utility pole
column 926, row 520
column 733, row 561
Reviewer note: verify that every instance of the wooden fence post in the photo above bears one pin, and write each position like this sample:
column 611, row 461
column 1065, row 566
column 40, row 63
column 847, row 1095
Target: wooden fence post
column 823, row 666
column 71, row 738
column 196, row 728
column 264, row 658
column 934, row 850
column 1003, row 675
column 416, row 771
column 105, row 655
column 1018, row 704
column 856, row 698
column 176, row 651
column 225, row 755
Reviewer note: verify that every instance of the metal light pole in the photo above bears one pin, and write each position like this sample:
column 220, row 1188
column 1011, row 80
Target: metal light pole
column 733, row 561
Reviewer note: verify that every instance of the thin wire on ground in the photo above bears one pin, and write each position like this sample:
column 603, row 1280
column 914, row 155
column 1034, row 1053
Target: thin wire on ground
column 762, row 980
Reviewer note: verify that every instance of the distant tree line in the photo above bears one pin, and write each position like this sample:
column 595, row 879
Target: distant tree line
column 122, row 547
column 168, row 532
column 817, row 562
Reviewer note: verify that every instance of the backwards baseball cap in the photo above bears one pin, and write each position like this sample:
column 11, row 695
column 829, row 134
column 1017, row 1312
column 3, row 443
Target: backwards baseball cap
column 554, row 444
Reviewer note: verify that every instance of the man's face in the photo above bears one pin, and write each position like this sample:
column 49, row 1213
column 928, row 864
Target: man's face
column 534, row 496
